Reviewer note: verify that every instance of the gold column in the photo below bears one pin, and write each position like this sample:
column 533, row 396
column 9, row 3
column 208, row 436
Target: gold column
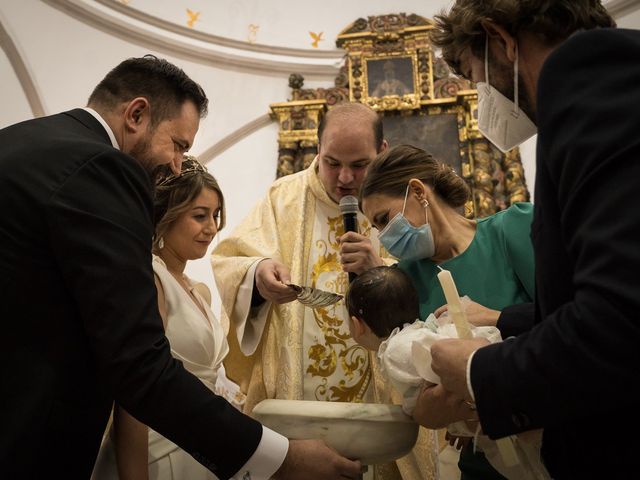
column 287, row 158
column 514, row 182
column 483, row 186
column 309, row 151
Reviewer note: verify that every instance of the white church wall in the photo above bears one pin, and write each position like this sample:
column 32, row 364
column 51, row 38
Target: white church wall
column 244, row 172
column 15, row 106
column 630, row 20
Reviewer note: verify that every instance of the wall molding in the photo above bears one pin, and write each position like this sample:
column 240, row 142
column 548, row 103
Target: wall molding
column 157, row 34
column 216, row 39
column 620, row 8
column 234, row 137
column 20, row 68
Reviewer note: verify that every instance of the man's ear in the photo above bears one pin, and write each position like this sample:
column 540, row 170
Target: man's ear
column 384, row 146
column 137, row 115
column 500, row 38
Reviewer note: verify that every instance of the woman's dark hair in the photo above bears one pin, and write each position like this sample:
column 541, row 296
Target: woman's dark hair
column 390, row 172
column 384, row 298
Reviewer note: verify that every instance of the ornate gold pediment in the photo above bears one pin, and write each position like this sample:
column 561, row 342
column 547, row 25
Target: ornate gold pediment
column 391, row 66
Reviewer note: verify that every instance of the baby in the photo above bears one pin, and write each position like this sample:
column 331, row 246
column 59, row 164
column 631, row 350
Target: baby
column 384, row 315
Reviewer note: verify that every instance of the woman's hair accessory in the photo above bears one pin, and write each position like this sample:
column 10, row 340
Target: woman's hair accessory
column 189, row 166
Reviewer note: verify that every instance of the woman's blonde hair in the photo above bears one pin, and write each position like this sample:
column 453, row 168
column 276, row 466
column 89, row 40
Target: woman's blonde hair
column 174, row 194
column 390, row 172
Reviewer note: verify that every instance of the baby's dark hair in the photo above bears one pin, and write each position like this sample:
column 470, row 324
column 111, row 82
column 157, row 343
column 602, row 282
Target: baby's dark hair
column 384, row 298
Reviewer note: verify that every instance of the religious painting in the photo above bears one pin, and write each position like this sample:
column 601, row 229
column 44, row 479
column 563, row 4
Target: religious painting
column 437, row 134
column 391, row 76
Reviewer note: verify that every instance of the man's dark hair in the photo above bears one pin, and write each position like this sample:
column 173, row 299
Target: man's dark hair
column 384, row 298
column 357, row 112
column 552, row 21
column 164, row 85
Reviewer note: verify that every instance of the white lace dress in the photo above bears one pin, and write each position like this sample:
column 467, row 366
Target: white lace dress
column 200, row 343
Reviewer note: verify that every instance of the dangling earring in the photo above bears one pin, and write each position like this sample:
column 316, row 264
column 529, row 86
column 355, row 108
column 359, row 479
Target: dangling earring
column 161, row 243
column 425, row 204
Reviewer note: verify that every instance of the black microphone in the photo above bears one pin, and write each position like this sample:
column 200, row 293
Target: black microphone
column 349, row 209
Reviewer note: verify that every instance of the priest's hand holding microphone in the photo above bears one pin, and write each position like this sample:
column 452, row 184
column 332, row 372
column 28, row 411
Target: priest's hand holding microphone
column 357, row 254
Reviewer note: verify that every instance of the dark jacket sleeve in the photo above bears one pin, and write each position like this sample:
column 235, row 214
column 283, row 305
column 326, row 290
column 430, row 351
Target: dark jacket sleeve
column 582, row 359
column 516, row 319
column 101, row 226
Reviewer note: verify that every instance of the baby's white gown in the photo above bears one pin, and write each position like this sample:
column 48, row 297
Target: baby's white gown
column 405, row 358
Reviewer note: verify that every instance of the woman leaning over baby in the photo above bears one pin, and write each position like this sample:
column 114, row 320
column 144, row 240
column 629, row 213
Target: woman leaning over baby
column 416, row 204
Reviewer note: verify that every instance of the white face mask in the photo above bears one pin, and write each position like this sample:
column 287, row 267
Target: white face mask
column 500, row 120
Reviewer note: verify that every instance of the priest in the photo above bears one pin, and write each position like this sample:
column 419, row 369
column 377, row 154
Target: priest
column 279, row 348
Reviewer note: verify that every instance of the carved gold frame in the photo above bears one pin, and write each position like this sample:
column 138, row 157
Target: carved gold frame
column 408, row 101
column 496, row 179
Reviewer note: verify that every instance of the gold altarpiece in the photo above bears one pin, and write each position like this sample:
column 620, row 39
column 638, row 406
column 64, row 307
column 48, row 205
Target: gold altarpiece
column 391, row 66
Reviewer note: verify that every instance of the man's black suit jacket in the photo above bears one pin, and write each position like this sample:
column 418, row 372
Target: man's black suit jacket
column 80, row 325
column 575, row 373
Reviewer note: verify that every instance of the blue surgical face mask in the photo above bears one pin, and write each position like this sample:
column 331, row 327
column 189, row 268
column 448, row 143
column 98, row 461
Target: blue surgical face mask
column 406, row 242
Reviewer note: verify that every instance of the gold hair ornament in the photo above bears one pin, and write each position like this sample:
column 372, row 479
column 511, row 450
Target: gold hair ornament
column 189, row 166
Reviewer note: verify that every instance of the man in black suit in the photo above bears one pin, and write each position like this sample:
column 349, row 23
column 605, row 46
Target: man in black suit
column 574, row 372
column 80, row 325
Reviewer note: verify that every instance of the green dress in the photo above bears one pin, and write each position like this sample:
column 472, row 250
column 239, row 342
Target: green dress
column 496, row 270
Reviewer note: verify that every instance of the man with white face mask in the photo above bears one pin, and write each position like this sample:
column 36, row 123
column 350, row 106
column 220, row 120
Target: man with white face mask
column 571, row 373
column 500, row 119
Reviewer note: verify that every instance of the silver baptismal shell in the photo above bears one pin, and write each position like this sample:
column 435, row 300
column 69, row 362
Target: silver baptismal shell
column 314, row 297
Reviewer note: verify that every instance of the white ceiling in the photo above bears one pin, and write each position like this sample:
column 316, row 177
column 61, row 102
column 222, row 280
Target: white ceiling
column 281, row 23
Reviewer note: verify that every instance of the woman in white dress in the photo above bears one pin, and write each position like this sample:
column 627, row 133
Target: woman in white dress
column 189, row 211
